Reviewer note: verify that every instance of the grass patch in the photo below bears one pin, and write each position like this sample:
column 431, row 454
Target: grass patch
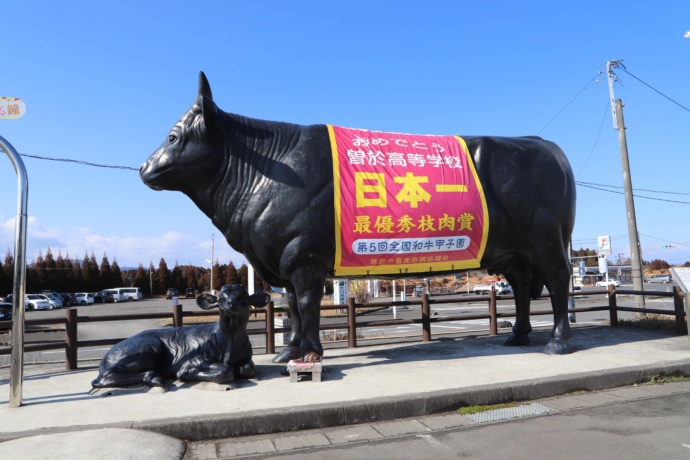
column 475, row 409
column 661, row 379
column 650, row 321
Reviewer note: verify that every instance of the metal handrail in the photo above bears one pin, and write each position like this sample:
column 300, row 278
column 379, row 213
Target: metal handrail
column 19, row 288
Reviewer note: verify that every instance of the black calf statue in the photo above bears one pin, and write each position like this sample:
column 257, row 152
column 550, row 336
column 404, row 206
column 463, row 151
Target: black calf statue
column 217, row 352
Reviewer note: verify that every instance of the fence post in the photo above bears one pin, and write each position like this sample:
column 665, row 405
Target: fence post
column 351, row 323
column 493, row 317
column 71, row 339
column 613, row 307
column 426, row 318
column 681, row 326
column 177, row 315
column 270, row 328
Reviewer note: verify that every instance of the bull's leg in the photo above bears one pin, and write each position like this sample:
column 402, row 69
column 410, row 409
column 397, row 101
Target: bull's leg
column 208, row 372
column 553, row 266
column 309, row 280
column 521, row 281
column 292, row 350
column 557, row 281
column 116, row 377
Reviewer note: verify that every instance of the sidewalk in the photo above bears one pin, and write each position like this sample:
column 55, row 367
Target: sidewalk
column 361, row 385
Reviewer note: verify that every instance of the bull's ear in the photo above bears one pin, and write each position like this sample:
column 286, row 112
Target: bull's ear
column 209, row 112
column 259, row 299
column 204, row 87
column 207, row 301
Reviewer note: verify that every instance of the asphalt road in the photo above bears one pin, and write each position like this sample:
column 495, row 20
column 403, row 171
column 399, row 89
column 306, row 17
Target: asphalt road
column 650, row 428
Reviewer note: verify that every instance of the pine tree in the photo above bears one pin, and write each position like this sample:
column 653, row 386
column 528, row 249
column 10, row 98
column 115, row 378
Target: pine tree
column 94, row 273
column 163, row 276
column 69, row 283
column 141, row 280
column 177, row 280
column 78, row 277
column 231, row 274
column 116, row 275
column 61, row 284
column 50, row 271
column 243, row 276
column 217, row 277
column 105, row 273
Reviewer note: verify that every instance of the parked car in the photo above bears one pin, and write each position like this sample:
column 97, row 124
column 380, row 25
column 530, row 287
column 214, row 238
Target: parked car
column 102, row 297
column 189, row 292
column 659, row 279
column 55, row 302
column 36, row 302
column 5, row 311
column 84, row 298
column 68, row 299
column 604, row 283
column 172, row 292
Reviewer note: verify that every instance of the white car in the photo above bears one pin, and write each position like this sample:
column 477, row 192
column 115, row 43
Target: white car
column 84, row 298
column 615, row 283
column 36, row 302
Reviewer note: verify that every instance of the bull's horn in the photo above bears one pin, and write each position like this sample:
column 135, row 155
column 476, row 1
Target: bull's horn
column 204, row 87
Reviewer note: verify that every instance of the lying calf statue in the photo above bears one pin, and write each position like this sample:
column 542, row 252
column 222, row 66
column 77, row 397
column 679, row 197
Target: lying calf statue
column 214, row 352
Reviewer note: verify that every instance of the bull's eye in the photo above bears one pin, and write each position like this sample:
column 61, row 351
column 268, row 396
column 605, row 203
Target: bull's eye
column 172, row 138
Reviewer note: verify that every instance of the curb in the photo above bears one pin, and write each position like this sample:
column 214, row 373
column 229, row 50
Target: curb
column 367, row 411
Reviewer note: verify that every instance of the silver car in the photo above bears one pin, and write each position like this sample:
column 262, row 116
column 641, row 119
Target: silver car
column 36, row 302
column 659, row 279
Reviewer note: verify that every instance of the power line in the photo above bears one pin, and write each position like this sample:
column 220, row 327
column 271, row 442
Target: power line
column 651, row 87
column 84, row 163
column 622, row 193
column 583, row 184
column 594, row 79
column 640, row 189
column 601, row 125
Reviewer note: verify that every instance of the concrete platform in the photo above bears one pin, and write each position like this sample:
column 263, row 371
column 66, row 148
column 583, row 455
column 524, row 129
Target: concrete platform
column 366, row 384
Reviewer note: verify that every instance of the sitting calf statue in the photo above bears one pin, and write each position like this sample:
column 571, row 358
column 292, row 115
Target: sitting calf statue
column 214, row 352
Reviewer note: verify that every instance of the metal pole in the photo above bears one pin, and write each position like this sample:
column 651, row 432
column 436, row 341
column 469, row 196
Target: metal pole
column 635, row 258
column 19, row 283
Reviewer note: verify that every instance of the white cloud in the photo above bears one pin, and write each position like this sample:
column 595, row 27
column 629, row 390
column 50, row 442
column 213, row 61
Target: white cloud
column 128, row 250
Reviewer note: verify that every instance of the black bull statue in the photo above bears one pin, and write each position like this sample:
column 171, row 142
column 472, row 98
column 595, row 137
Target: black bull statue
column 268, row 186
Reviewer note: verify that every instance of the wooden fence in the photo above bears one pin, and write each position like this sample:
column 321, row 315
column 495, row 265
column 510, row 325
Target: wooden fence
column 72, row 319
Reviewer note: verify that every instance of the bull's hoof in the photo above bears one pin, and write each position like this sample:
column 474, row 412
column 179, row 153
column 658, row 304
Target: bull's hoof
column 558, row 347
column 285, row 356
column 247, row 371
column 517, row 340
column 311, row 357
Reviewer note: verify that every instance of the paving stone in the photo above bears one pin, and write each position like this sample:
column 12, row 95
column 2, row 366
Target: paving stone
column 298, row 442
column 600, row 398
column 441, row 422
column 565, row 403
column 631, row 393
column 356, row 433
column 204, row 451
column 400, row 427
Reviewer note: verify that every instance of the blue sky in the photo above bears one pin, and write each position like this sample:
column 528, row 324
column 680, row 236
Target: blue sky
column 103, row 82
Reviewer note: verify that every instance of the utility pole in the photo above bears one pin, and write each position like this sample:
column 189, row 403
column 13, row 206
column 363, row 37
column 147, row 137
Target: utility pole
column 619, row 124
